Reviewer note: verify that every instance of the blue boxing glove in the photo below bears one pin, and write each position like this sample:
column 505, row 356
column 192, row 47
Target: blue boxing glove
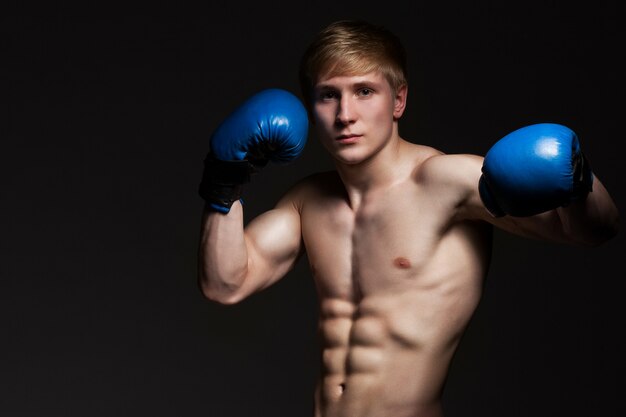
column 534, row 169
column 272, row 125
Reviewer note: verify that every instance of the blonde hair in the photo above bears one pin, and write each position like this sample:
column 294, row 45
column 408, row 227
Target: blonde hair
column 352, row 47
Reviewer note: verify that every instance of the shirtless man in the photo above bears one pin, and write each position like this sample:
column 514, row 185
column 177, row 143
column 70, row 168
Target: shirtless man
column 398, row 236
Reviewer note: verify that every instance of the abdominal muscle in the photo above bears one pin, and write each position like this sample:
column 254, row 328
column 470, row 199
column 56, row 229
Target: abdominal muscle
column 388, row 354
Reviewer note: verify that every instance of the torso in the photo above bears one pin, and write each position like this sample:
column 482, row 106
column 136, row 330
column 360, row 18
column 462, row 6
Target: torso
column 398, row 279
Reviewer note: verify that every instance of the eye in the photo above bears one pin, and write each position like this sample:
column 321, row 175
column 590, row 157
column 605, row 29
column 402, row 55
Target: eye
column 366, row 91
column 328, row 95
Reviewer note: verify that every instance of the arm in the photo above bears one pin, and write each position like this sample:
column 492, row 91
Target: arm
column 235, row 262
column 535, row 182
column 587, row 222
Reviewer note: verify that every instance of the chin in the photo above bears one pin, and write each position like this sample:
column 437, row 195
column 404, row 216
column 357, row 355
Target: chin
column 348, row 157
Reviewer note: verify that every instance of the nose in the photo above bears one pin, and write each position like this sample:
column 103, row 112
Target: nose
column 345, row 112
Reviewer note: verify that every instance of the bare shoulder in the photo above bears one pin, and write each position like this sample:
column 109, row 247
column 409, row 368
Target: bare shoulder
column 319, row 182
column 454, row 179
column 450, row 169
column 314, row 186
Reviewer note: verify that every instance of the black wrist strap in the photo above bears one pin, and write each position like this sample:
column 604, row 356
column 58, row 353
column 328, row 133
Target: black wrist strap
column 221, row 172
column 582, row 178
column 222, row 181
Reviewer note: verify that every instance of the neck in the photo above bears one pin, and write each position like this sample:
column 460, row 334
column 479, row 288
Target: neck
column 381, row 170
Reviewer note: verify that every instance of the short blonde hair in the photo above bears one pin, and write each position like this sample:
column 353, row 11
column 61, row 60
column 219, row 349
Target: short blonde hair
column 352, row 47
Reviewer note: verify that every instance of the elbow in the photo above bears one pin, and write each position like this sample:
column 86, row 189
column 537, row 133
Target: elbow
column 610, row 228
column 222, row 296
column 602, row 234
column 608, row 233
column 225, row 300
column 222, row 293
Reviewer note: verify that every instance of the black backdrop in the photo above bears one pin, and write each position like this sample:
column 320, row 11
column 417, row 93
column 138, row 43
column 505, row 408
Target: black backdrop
column 105, row 118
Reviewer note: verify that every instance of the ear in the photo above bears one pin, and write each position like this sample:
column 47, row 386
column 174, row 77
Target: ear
column 400, row 101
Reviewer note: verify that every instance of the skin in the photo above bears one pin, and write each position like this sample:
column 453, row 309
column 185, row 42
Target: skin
column 398, row 242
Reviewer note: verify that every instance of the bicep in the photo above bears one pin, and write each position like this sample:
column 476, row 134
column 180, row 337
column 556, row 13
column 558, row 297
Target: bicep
column 274, row 243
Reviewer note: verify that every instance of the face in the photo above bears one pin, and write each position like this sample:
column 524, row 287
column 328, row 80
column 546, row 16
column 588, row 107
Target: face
column 355, row 116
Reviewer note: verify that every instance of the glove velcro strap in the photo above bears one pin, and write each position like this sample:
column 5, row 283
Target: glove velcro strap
column 222, row 181
column 233, row 172
column 582, row 177
column 222, row 196
column 488, row 199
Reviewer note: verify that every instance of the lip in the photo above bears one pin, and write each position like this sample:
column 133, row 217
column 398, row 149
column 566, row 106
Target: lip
column 346, row 139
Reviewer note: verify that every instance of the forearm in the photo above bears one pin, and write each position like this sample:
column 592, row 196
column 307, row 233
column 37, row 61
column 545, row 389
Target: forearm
column 223, row 256
column 591, row 220
column 539, row 176
column 272, row 125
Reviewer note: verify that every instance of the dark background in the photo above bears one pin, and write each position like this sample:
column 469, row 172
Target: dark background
column 105, row 118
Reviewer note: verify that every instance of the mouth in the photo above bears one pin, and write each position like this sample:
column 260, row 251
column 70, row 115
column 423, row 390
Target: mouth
column 348, row 138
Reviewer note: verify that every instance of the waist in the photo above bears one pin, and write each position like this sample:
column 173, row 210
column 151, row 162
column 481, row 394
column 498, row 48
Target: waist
column 396, row 375
column 360, row 399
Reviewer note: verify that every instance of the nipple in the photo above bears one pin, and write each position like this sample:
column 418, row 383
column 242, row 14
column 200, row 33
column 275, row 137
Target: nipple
column 402, row 262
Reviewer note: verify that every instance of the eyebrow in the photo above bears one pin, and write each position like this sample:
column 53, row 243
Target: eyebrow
column 359, row 84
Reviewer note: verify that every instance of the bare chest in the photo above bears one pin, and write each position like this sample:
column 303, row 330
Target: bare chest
column 390, row 241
